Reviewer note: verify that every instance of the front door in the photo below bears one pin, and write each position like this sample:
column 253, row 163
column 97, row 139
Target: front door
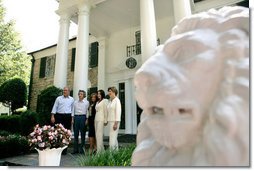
column 122, row 100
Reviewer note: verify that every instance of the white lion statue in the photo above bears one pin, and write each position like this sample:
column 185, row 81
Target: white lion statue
column 194, row 92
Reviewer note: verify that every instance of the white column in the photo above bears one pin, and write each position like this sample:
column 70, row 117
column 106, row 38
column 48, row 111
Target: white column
column 82, row 51
column 101, row 64
column 182, row 8
column 128, row 107
column 60, row 75
column 148, row 29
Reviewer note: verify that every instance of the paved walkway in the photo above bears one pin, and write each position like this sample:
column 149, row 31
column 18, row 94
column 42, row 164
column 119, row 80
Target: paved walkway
column 68, row 160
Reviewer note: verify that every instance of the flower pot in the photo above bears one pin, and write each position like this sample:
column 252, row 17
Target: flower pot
column 50, row 157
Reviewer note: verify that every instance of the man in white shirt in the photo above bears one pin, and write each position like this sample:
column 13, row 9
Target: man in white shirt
column 62, row 109
column 79, row 112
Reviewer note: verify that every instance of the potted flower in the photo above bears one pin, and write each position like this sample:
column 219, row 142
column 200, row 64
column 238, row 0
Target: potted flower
column 49, row 141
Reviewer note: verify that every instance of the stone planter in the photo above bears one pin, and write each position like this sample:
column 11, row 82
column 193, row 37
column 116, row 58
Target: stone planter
column 50, row 157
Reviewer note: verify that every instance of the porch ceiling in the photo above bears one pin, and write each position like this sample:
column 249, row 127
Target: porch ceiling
column 112, row 15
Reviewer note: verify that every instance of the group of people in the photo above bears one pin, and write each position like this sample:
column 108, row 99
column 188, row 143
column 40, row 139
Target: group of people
column 97, row 113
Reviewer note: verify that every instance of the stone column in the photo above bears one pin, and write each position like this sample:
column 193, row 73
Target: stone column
column 101, row 64
column 182, row 8
column 148, row 29
column 82, row 51
column 60, row 75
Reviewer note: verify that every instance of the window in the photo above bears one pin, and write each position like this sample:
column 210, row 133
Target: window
column 138, row 42
column 42, row 67
column 47, row 66
column 73, row 53
column 93, row 57
column 50, row 66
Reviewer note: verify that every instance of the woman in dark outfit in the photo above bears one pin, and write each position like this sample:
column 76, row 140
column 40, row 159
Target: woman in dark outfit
column 91, row 131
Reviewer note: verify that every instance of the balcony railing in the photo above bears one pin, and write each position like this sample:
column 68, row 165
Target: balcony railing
column 133, row 50
column 136, row 49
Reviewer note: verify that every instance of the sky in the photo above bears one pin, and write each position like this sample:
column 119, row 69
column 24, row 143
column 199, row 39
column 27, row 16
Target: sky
column 36, row 22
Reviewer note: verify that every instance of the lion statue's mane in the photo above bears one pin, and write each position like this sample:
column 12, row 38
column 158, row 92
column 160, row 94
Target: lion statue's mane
column 194, row 92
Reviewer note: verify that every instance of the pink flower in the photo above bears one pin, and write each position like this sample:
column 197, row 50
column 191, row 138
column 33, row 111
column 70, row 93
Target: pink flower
column 45, row 127
column 42, row 144
column 69, row 132
column 39, row 138
column 49, row 137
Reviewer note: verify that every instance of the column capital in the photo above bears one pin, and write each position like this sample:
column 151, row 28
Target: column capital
column 64, row 18
column 84, row 9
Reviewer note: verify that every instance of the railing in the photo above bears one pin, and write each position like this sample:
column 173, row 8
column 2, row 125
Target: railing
column 133, row 50
column 136, row 49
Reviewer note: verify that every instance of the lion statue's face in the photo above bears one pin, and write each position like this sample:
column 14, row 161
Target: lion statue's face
column 178, row 87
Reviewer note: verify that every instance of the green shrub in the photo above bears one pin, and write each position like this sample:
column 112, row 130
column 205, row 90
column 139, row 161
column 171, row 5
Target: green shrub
column 14, row 92
column 28, row 120
column 4, row 133
column 47, row 99
column 22, row 124
column 121, row 157
column 12, row 145
column 10, row 123
column 45, row 103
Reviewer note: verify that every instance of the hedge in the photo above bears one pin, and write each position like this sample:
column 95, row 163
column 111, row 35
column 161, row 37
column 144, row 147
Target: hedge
column 22, row 124
column 12, row 145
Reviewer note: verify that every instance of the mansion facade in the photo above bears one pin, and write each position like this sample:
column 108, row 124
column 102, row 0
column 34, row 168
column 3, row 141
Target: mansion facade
column 115, row 37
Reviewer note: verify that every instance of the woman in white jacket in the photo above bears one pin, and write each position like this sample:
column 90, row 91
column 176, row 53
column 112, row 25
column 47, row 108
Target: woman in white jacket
column 100, row 119
column 114, row 117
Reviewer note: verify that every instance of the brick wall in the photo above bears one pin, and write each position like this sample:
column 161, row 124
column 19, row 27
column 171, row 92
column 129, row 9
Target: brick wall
column 40, row 84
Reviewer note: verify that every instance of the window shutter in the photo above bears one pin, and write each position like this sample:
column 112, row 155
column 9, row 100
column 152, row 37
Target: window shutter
column 42, row 67
column 94, row 55
column 73, row 53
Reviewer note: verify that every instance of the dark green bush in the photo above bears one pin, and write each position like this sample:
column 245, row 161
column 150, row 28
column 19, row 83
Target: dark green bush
column 47, row 98
column 10, row 123
column 121, row 157
column 22, row 124
column 45, row 103
column 12, row 145
column 28, row 120
column 14, row 92
column 4, row 133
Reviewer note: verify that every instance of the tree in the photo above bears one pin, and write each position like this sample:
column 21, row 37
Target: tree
column 13, row 93
column 14, row 61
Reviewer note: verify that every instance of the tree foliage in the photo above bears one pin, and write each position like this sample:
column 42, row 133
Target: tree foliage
column 14, row 61
column 14, row 93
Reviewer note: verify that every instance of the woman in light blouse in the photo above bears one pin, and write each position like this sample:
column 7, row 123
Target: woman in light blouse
column 100, row 119
column 114, row 117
